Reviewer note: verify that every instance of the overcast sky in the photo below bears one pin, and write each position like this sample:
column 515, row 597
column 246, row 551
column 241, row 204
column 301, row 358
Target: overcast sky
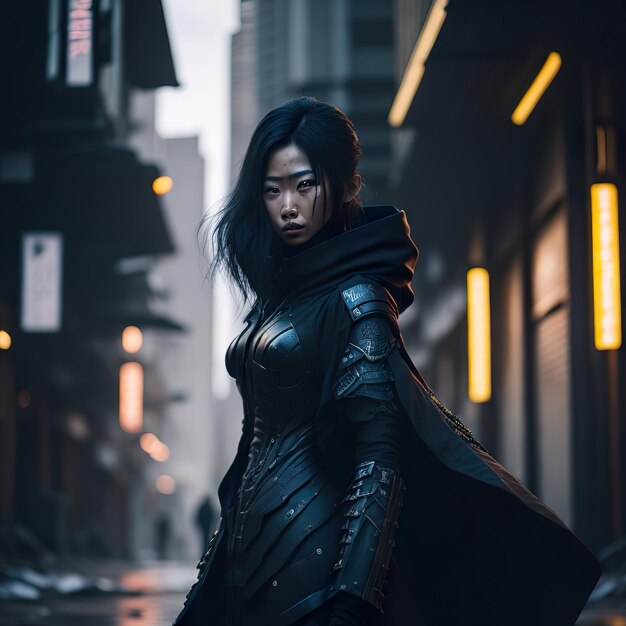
column 200, row 32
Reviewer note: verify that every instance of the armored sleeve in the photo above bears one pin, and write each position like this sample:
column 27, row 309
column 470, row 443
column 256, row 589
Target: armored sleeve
column 373, row 500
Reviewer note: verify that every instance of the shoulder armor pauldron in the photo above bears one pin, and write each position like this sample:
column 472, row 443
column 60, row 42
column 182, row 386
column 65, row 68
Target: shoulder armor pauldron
column 366, row 298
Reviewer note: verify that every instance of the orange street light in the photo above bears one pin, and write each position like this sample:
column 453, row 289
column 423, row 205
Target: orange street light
column 5, row 340
column 148, row 442
column 162, row 185
column 132, row 339
column 165, row 484
column 131, row 397
column 160, row 452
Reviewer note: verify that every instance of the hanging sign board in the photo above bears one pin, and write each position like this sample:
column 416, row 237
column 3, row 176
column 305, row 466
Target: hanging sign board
column 79, row 71
column 42, row 272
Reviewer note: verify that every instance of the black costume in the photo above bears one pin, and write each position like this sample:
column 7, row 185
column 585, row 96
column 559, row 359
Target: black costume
column 339, row 424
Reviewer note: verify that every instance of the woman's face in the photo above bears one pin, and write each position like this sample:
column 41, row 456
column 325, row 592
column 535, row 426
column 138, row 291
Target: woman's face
column 290, row 190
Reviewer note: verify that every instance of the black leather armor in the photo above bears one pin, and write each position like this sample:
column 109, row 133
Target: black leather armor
column 293, row 535
column 282, row 538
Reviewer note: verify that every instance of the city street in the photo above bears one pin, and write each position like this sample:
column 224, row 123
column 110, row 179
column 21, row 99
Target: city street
column 156, row 593
column 266, row 259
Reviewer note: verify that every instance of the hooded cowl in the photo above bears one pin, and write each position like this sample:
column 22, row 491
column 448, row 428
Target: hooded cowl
column 381, row 248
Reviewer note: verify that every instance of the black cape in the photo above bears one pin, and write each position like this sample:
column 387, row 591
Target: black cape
column 474, row 545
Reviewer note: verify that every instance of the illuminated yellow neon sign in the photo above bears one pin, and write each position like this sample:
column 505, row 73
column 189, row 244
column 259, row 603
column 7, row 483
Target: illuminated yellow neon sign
column 606, row 268
column 542, row 81
column 478, row 335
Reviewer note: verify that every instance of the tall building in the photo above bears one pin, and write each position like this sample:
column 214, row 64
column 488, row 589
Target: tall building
column 338, row 50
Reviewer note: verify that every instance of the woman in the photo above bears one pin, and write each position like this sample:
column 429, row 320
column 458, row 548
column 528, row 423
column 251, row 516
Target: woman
column 355, row 496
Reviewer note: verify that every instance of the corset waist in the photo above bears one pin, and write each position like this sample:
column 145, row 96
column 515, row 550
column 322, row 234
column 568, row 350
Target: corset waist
column 285, row 495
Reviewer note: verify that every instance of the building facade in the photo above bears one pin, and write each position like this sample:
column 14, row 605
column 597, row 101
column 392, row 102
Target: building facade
column 82, row 228
column 482, row 189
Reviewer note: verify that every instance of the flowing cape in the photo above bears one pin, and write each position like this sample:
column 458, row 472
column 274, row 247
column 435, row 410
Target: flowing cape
column 474, row 545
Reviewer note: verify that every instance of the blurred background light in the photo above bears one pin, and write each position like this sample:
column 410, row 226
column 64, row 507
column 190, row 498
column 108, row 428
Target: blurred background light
column 131, row 397
column 160, row 452
column 23, row 399
column 148, row 442
column 165, row 484
column 606, row 267
column 478, row 335
column 538, row 87
column 162, row 185
column 416, row 66
column 132, row 339
column 5, row 340
column 77, row 426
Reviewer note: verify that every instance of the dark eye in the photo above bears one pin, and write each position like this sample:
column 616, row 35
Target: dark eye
column 307, row 184
column 270, row 190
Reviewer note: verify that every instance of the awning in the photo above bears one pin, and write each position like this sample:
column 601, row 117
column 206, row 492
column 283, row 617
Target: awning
column 121, row 300
column 102, row 200
column 147, row 45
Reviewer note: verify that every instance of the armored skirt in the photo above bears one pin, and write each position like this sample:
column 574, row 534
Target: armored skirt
column 352, row 479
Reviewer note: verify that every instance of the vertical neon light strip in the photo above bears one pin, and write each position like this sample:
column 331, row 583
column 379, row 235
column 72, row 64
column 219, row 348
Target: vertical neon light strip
column 606, row 268
column 478, row 335
column 131, row 397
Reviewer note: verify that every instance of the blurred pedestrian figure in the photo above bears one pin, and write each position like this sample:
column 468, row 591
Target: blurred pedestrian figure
column 163, row 534
column 205, row 516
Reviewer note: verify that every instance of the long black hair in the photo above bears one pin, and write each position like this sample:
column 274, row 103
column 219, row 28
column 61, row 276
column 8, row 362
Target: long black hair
column 244, row 243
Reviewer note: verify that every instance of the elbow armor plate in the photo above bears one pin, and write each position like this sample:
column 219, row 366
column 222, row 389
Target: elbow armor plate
column 364, row 366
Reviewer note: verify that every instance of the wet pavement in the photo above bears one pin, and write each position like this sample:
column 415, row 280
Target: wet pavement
column 156, row 591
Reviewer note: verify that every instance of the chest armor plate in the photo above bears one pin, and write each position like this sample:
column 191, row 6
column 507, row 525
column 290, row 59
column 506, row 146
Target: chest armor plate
column 272, row 370
column 286, row 497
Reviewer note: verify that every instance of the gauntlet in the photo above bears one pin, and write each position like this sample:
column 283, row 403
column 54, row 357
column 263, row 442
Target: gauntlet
column 373, row 501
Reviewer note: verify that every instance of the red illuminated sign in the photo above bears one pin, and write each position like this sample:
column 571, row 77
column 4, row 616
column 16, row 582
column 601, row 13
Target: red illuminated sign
column 79, row 43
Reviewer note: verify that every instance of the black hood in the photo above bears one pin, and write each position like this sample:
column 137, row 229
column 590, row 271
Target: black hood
column 380, row 248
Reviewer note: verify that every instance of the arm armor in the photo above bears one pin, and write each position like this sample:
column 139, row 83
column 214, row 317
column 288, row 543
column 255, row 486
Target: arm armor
column 374, row 498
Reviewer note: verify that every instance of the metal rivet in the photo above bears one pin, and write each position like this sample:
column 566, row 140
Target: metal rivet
column 272, row 440
column 274, row 583
column 319, row 551
column 342, row 587
column 275, row 477
column 355, row 582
